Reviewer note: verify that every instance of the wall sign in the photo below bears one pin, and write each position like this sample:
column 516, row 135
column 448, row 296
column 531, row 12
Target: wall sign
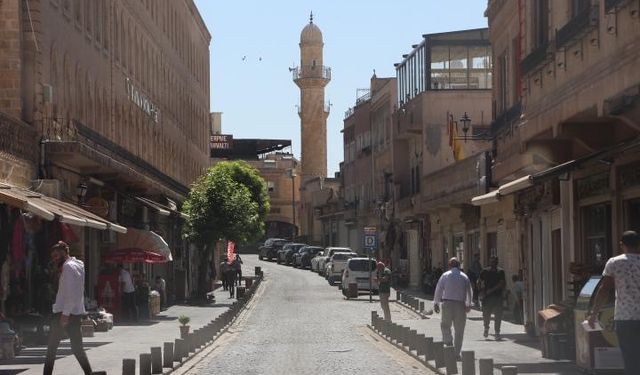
column 593, row 185
column 221, row 142
column 142, row 101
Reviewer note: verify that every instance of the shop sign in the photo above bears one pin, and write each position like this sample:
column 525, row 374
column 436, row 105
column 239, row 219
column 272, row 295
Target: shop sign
column 593, row 185
column 221, row 142
column 630, row 175
column 142, row 101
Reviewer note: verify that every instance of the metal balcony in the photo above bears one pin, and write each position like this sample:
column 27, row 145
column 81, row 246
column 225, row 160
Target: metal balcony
column 311, row 71
column 506, row 118
column 534, row 59
column 579, row 25
column 17, row 138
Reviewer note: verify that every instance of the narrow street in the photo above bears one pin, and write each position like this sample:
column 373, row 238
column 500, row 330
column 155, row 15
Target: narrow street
column 298, row 324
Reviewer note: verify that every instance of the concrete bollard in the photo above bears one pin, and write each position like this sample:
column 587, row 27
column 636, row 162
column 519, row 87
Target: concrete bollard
column 438, row 353
column 420, row 347
column 257, row 270
column 406, row 337
column 156, row 360
column 145, row 364
column 468, row 363
column 179, row 350
column 397, row 295
column 486, row 366
column 509, row 370
column 413, row 335
column 128, row 366
column 450, row 360
column 374, row 315
column 167, row 358
column 429, row 354
column 421, row 305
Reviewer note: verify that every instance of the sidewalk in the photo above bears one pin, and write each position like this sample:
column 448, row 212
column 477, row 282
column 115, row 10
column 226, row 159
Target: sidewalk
column 107, row 349
column 515, row 349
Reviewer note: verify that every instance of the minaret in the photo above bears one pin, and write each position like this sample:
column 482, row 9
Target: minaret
column 312, row 77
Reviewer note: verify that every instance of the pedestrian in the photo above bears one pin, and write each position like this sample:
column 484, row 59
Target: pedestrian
column 161, row 288
column 474, row 274
column 383, row 274
column 142, row 296
column 455, row 294
column 622, row 273
column 493, row 283
column 224, row 269
column 517, row 292
column 68, row 309
column 128, row 294
column 237, row 266
column 230, row 277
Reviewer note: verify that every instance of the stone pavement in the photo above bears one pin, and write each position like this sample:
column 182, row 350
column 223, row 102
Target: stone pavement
column 516, row 348
column 107, row 349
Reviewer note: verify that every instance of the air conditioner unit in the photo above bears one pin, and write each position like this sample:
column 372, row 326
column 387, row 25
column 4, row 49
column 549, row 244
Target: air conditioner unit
column 48, row 187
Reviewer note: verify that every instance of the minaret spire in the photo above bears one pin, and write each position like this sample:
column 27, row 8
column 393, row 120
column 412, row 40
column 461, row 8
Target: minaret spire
column 311, row 17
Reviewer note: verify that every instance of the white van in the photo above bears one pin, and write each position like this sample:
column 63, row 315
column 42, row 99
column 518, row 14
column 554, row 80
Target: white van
column 356, row 271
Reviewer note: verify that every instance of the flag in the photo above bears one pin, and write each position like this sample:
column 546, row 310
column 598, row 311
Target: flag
column 231, row 247
column 458, row 152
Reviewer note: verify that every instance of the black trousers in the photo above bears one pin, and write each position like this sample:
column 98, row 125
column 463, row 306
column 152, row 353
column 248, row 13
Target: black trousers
column 129, row 306
column 75, row 335
column 231, row 282
column 492, row 305
column 627, row 331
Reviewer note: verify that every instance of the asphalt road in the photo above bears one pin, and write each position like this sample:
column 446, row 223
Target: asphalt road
column 298, row 324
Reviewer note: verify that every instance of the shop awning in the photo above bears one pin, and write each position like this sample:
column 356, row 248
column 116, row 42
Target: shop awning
column 133, row 256
column 49, row 208
column 481, row 200
column 161, row 209
column 516, row 185
column 143, row 240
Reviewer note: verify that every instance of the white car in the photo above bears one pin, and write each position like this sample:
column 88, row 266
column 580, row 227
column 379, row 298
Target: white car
column 328, row 252
column 315, row 261
column 336, row 265
column 356, row 272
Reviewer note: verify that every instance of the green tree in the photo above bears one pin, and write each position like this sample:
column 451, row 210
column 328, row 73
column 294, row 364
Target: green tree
column 229, row 202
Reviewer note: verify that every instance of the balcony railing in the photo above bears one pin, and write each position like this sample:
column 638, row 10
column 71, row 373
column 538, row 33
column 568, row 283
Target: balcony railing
column 18, row 138
column 611, row 4
column 585, row 20
column 534, row 59
column 311, row 71
column 506, row 118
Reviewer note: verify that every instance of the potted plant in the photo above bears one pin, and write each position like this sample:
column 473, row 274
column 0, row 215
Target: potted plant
column 184, row 328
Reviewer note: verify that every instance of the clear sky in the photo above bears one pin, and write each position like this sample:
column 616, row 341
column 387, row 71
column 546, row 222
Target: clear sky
column 254, row 42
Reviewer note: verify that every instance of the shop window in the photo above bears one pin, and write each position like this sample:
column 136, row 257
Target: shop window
column 458, row 244
column 596, row 232
column 632, row 215
column 492, row 245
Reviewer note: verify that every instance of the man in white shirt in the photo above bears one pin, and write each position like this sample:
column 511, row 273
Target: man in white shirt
column 128, row 294
column 455, row 294
column 622, row 273
column 68, row 308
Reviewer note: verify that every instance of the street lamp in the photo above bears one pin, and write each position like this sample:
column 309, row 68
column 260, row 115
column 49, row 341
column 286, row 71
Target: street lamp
column 292, row 175
column 465, row 120
column 81, row 192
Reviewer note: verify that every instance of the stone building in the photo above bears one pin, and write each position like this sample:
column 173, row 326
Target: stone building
column 566, row 94
column 439, row 143
column 111, row 101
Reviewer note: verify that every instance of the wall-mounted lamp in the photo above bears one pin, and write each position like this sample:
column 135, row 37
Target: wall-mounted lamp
column 465, row 120
column 81, row 192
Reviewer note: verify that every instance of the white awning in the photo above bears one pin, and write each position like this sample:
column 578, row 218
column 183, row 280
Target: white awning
column 516, row 185
column 481, row 200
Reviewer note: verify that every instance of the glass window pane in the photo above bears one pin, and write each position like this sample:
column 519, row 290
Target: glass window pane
column 439, row 68
column 458, row 68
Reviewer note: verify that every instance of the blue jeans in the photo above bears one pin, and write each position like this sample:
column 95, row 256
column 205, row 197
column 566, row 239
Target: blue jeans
column 628, row 332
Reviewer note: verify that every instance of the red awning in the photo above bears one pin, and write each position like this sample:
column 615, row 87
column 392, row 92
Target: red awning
column 133, row 256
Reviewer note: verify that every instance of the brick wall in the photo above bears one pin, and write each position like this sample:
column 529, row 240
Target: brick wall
column 10, row 64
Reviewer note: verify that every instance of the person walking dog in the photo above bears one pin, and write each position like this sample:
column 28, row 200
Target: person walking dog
column 455, row 294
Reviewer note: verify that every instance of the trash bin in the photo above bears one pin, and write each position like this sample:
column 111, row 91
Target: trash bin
column 240, row 292
column 561, row 346
column 550, row 321
column 248, row 282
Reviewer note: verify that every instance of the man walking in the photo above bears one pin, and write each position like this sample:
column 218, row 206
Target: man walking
column 68, row 308
column 454, row 292
column 128, row 294
column 383, row 275
column 474, row 273
column 622, row 273
column 493, row 283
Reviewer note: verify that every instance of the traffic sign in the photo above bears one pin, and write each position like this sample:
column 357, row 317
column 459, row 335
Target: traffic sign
column 370, row 238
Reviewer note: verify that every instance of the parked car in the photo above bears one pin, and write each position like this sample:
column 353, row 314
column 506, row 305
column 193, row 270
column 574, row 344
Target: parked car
column 287, row 249
column 304, row 256
column 328, row 252
column 315, row 261
column 356, row 271
column 290, row 253
column 336, row 265
column 269, row 250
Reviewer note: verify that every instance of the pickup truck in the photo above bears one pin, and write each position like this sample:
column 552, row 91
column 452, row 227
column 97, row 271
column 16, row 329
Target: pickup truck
column 336, row 265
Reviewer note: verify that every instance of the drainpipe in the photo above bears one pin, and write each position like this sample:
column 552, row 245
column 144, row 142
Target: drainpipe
column 43, row 159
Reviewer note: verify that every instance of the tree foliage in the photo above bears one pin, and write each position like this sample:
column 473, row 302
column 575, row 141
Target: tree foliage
column 229, row 201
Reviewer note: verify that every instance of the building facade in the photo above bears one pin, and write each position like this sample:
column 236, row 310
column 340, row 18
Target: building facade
column 566, row 149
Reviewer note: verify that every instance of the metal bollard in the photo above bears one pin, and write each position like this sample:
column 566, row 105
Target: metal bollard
column 421, row 305
column 468, row 363
column 509, row 370
column 257, row 270
column 145, row 364
column 438, row 353
column 429, row 353
column 167, row 358
column 420, row 347
column 486, row 366
column 450, row 360
column 179, row 350
column 398, row 295
column 156, row 360
column 128, row 366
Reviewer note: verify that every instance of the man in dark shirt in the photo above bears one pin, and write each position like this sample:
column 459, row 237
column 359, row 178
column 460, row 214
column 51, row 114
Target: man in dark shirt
column 493, row 283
